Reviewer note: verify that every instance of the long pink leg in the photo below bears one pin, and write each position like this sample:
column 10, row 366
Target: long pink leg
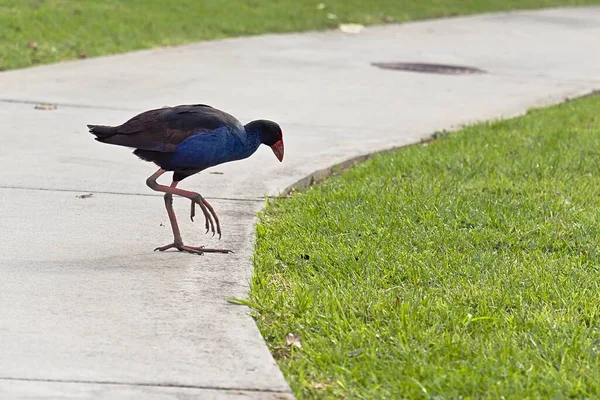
column 207, row 210
column 177, row 240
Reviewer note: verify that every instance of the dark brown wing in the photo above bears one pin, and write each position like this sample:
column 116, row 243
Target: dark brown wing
column 161, row 130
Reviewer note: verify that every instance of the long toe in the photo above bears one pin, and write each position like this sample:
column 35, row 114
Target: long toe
column 206, row 250
column 167, row 247
column 181, row 247
column 191, row 249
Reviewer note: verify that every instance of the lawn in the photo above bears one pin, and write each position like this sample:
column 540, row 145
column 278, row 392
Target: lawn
column 43, row 31
column 468, row 266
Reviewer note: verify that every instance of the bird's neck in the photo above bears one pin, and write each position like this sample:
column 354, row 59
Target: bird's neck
column 251, row 140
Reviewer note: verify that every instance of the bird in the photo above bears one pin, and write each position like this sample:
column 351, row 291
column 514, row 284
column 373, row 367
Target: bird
column 185, row 140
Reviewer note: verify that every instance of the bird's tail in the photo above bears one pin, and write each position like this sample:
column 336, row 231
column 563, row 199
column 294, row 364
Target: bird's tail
column 102, row 132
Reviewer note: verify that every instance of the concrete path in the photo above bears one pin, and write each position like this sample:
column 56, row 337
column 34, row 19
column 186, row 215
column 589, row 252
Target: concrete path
column 89, row 311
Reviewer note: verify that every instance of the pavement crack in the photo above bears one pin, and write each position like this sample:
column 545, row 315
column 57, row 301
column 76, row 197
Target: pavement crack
column 302, row 125
column 144, row 384
column 79, row 191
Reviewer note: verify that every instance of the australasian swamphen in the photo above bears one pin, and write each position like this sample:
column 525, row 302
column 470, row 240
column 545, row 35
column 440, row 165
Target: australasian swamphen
column 187, row 139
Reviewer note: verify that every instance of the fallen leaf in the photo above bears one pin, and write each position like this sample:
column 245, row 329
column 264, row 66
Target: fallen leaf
column 293, row 340
column 46, row 106
column 82, row 54
column 351, row 28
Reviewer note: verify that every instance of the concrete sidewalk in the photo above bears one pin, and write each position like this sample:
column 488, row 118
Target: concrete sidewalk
column 89, row 311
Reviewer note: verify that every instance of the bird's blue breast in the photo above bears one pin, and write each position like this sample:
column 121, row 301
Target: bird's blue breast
column 207, row 149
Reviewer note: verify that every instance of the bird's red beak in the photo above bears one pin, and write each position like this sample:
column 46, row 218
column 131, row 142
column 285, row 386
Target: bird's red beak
column 278, row 150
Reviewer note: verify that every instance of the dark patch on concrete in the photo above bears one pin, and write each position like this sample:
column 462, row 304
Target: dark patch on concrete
column 430, row 68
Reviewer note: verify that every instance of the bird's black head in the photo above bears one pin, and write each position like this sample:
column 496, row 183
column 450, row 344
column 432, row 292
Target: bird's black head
column 270, row 134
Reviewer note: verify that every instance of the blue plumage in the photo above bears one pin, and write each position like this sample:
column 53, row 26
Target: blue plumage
column 207, row 149
column 188, row 139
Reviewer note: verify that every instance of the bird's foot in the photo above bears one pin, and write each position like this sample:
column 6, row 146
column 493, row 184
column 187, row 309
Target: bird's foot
column 209, row 214
column 190, row 249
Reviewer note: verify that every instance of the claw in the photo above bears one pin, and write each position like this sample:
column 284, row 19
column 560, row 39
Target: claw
column 209, row 224
column 214, row 214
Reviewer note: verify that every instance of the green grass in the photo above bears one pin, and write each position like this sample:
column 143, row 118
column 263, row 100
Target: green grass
column 467, row 267
column 62, row 29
